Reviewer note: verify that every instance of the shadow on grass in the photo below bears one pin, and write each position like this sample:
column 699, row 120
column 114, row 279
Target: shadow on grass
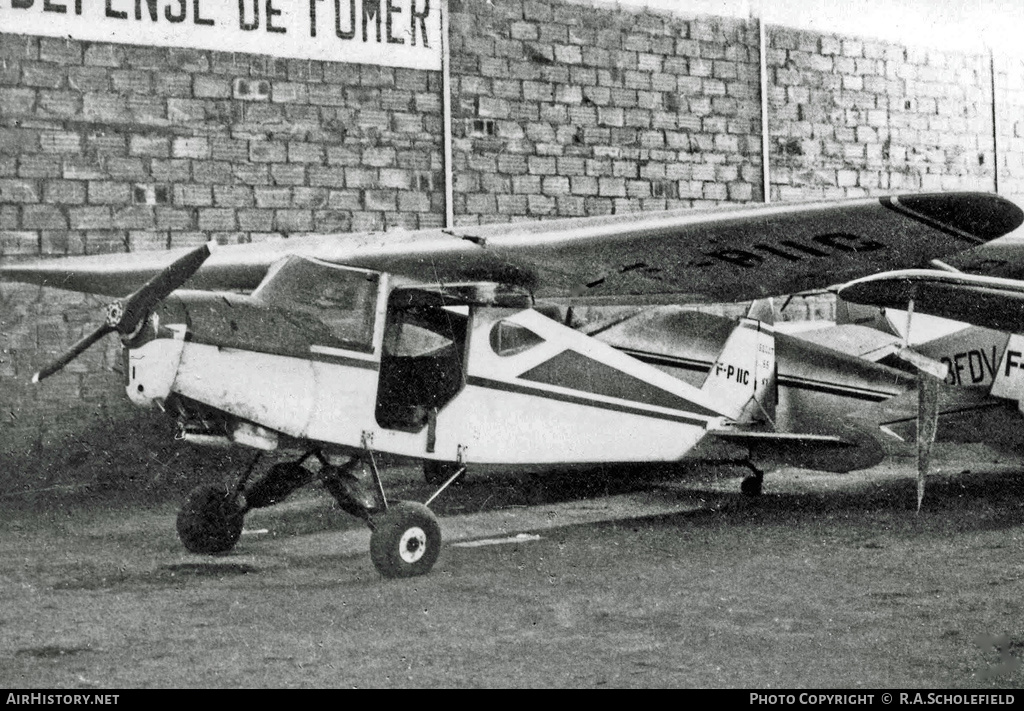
column 130, row 462
column 138, row 462
column 962, row 502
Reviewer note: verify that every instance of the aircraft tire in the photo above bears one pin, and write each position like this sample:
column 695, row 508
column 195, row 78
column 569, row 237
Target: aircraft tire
column 436, row 473
column 751, row 485
column 209, row 522
column 406, row 540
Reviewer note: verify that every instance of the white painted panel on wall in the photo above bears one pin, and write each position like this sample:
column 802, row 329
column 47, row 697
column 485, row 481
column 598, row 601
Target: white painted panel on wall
column 399, row 33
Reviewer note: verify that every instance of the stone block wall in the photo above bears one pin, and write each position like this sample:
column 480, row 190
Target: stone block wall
column 563, row 110
column 852, row 118
column 1009, row 120
column 109, row 148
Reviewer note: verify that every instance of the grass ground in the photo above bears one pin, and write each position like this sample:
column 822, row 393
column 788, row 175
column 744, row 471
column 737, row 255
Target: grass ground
column 824, row 582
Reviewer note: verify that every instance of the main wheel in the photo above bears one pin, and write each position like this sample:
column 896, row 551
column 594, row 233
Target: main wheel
column 406, row 540
column 209, row 521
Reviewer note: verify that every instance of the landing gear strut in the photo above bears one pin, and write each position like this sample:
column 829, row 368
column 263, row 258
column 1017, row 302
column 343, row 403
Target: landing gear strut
column 405, row 538
column 436, row 473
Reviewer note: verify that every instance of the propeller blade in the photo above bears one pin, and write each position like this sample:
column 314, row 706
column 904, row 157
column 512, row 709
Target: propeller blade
column 125, row 318
column 927, row 425
column 930, row 373
column 925, row 365
column 139, row 304
column 73, row 352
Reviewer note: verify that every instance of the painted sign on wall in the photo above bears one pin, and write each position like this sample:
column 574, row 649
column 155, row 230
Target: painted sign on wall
column 399, row 33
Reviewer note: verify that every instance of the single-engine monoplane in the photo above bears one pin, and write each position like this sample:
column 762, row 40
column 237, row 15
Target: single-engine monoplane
column 437, row 345
column 979, row 322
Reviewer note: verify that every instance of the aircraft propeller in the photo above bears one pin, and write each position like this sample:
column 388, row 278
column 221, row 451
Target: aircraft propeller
column 126, row 316
column 929, row 374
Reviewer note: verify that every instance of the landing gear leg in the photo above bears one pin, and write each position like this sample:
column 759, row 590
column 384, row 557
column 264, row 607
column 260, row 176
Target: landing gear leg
column 752, row 483
column 276, row 484
column 210, row 520
column 405, row 538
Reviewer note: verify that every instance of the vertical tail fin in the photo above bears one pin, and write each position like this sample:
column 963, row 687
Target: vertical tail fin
column 742, row 381
column 1009, row 379
column 859, row 315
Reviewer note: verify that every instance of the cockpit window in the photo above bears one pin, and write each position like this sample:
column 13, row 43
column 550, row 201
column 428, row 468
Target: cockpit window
column 413, row 333
column 508, row 338
column 342, row 298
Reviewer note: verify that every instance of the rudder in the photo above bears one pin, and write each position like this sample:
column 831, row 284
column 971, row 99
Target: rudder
column 742, row 381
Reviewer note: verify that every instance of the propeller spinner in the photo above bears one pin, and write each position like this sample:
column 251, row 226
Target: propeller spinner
column 126, row 316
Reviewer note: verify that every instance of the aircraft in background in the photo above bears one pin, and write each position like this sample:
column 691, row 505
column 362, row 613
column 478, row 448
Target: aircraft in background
column 426, row 345
column 971, row 323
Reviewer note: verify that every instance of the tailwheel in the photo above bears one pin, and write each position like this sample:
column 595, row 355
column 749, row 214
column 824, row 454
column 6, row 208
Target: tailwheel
column 406, row 540
column 210, row 520
column 752, row 484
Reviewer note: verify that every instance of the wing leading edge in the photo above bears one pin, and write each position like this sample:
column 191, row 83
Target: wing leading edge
column 728, row 253
column 991, row 302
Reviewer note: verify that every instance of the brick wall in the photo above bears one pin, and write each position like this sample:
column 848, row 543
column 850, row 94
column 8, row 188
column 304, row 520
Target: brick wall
column 851, row 118
column 565, row 111
column 560, row 108
column 1009, row 119
column 108, row 148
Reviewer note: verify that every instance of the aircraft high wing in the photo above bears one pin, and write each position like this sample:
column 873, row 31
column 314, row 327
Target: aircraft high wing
column 992, row 302
column 422, row 345
column 733, row 253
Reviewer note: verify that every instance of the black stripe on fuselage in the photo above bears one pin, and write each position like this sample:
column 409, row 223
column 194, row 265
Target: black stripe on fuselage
column 697, row 366
column 834, row 389
column 703, row 366
column 333, row 359
column 578, row 400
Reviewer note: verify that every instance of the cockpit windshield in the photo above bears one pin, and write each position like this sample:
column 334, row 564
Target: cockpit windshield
column 342, row 298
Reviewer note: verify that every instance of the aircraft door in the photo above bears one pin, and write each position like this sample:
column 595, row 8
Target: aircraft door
column 422, row 366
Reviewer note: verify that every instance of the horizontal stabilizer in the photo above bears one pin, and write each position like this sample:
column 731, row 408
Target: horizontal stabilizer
column 923, row 363
column 849, row 448
column 855, row 340
column 966, row 416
